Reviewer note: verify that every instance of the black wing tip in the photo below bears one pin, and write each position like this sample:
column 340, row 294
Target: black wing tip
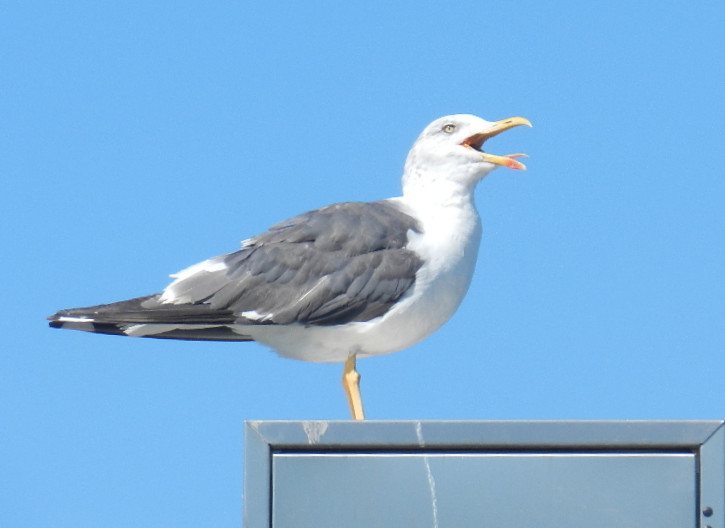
column 57, row 316
column 56, row 320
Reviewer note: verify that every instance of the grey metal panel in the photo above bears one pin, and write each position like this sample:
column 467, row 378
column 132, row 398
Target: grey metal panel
column 535, row 434
column 712, row 480
column 502, row 490
column 349, row 491
column 257, row 486
column 321, row 473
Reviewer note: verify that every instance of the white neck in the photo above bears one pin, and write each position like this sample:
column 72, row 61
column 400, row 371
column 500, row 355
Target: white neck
column 435, row 188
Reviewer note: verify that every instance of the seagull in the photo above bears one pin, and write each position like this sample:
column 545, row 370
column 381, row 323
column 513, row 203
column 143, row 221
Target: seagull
column 345, row 281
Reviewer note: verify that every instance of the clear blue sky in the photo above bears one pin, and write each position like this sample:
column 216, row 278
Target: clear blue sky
column 141, row 137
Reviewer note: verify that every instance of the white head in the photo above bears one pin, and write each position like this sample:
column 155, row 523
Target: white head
column 447, row 158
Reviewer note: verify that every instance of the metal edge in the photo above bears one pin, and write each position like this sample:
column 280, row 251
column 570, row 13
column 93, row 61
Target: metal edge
column 344, row 435
column 712, row 481
column 257, row 497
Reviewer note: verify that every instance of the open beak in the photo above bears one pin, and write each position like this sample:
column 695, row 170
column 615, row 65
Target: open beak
column 476, row 141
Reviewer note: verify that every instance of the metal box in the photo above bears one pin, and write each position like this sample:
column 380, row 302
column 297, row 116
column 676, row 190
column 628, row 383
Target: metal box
column 636, row 474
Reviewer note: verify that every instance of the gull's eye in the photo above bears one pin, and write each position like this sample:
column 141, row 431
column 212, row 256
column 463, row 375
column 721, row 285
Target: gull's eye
column 449, row 129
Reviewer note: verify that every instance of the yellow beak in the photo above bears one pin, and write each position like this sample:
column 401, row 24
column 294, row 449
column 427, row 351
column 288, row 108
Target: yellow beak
column 476, row 142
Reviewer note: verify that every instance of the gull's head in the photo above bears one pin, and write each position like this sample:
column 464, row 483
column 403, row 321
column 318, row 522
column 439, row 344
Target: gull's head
column 452, row 148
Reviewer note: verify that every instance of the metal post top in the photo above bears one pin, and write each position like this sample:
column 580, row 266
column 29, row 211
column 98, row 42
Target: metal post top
column 615, row 434
column 629, row 474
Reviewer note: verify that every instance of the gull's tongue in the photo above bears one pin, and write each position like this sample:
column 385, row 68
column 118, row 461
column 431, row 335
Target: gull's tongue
column 506, row 161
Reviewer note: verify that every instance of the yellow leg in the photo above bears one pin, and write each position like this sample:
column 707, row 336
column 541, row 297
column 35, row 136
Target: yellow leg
column 351, row 384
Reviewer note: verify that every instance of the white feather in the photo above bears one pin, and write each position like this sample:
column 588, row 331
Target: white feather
column 171, row 293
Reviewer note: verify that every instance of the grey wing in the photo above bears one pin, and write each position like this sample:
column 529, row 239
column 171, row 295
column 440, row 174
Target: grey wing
column 343, row 263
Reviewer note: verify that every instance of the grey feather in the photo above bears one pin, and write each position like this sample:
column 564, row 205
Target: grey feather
column 342, row 263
